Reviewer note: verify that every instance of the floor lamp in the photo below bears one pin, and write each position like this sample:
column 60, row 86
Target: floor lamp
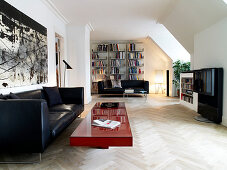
column 67, row 67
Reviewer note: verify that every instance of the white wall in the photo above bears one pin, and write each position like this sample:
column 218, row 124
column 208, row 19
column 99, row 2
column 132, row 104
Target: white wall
column 43, row 15
column 210, row 50
column 79, row 58
column 156, row 59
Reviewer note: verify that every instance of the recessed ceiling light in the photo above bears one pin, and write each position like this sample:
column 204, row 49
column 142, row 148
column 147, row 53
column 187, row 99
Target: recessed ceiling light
column 225, row 1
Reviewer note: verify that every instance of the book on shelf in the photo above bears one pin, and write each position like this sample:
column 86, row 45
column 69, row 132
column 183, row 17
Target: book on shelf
column 120, row 55
column 117, row 77
column 115, row 70
column 134, row 63
column 115, row 63
column 102, row 47
column 137, row 55
column 131, row 47
column 98, row 64
column 133, row 77
column 135, row 70
column 114, row 47
column 187, row 91
column 106, row 123
column 186, row 86
column 98, row 71
column 188, row 99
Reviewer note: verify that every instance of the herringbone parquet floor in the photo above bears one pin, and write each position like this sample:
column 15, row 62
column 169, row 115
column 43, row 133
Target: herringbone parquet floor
column 166, row 137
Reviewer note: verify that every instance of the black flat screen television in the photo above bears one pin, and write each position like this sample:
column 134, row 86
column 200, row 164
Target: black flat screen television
column 204, row 81
column 208, row 83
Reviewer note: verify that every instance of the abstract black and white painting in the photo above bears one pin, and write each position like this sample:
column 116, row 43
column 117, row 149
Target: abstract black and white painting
column 23, row 49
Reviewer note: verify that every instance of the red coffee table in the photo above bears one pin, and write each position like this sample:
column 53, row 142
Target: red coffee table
column 88, row 135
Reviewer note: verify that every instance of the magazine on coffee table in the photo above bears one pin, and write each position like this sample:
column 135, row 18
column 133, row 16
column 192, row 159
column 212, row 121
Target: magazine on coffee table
column 106, row 123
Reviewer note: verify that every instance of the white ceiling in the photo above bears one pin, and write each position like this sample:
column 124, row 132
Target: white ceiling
column 136, row 19
column 114, row 19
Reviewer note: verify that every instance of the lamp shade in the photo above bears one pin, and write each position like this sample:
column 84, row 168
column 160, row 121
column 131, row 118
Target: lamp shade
column 68, row 67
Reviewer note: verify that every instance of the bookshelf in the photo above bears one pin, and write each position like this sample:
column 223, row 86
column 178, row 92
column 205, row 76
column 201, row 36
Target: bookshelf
column 135, row 61
column 188, row 98
column 121, row 61
column 187, row 89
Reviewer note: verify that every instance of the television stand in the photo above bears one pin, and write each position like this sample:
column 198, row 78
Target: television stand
column 202, row 119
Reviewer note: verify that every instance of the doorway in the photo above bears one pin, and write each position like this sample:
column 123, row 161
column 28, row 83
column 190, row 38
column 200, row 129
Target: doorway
column 59, row 57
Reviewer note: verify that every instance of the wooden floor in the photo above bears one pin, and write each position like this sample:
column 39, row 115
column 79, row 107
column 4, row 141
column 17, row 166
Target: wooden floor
column 165, row 137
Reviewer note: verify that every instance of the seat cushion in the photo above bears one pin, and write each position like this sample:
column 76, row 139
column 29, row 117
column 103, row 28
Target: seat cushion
column 65, row 107
column 53, row 96
column 113, row 91
column 59, row 121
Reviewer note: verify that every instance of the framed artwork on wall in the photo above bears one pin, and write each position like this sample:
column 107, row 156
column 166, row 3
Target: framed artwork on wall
column 23, row 49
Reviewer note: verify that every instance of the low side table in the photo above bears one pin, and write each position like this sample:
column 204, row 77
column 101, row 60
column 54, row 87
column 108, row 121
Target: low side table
column 143, row 92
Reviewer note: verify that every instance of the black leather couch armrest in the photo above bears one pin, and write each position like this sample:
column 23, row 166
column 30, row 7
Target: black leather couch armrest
column 24, row 125
column 100, row 87
column 72, row 95
column 146, row 86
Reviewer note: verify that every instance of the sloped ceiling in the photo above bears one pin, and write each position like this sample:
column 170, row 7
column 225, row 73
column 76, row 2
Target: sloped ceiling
column 185, row 18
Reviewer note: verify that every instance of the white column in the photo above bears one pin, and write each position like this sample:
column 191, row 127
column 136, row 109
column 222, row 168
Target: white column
column 78, row 38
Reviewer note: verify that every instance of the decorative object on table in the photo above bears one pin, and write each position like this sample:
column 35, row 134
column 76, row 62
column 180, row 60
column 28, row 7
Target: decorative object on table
column 178, row 68
column 129, row 90
column 109, row 105
column 106, row 123
column 67, row 67
column 23, row 49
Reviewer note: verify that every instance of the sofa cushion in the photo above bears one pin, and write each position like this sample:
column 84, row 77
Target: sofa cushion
column 116, row 84
column 53, row 96
column 65, row 107
column 35, row 94
column 107, row 84
column 59, row 121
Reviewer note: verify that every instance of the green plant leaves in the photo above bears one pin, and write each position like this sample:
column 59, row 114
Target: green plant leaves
column 179, row 67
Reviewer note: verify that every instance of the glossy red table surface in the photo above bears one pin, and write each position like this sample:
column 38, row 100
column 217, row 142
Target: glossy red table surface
column 88, row 135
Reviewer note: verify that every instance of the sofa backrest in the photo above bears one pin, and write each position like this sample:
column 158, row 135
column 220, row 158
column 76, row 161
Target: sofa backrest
column 132, row 83
column 35, row 94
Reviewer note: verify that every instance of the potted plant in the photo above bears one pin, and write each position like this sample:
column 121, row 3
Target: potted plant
column 179, row 67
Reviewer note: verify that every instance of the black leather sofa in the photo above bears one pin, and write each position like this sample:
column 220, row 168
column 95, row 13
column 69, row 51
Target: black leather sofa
column 27, row 124
column 137, row 85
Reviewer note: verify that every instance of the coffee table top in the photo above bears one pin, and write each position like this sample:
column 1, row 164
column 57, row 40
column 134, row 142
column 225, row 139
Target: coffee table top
column 85, row 129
